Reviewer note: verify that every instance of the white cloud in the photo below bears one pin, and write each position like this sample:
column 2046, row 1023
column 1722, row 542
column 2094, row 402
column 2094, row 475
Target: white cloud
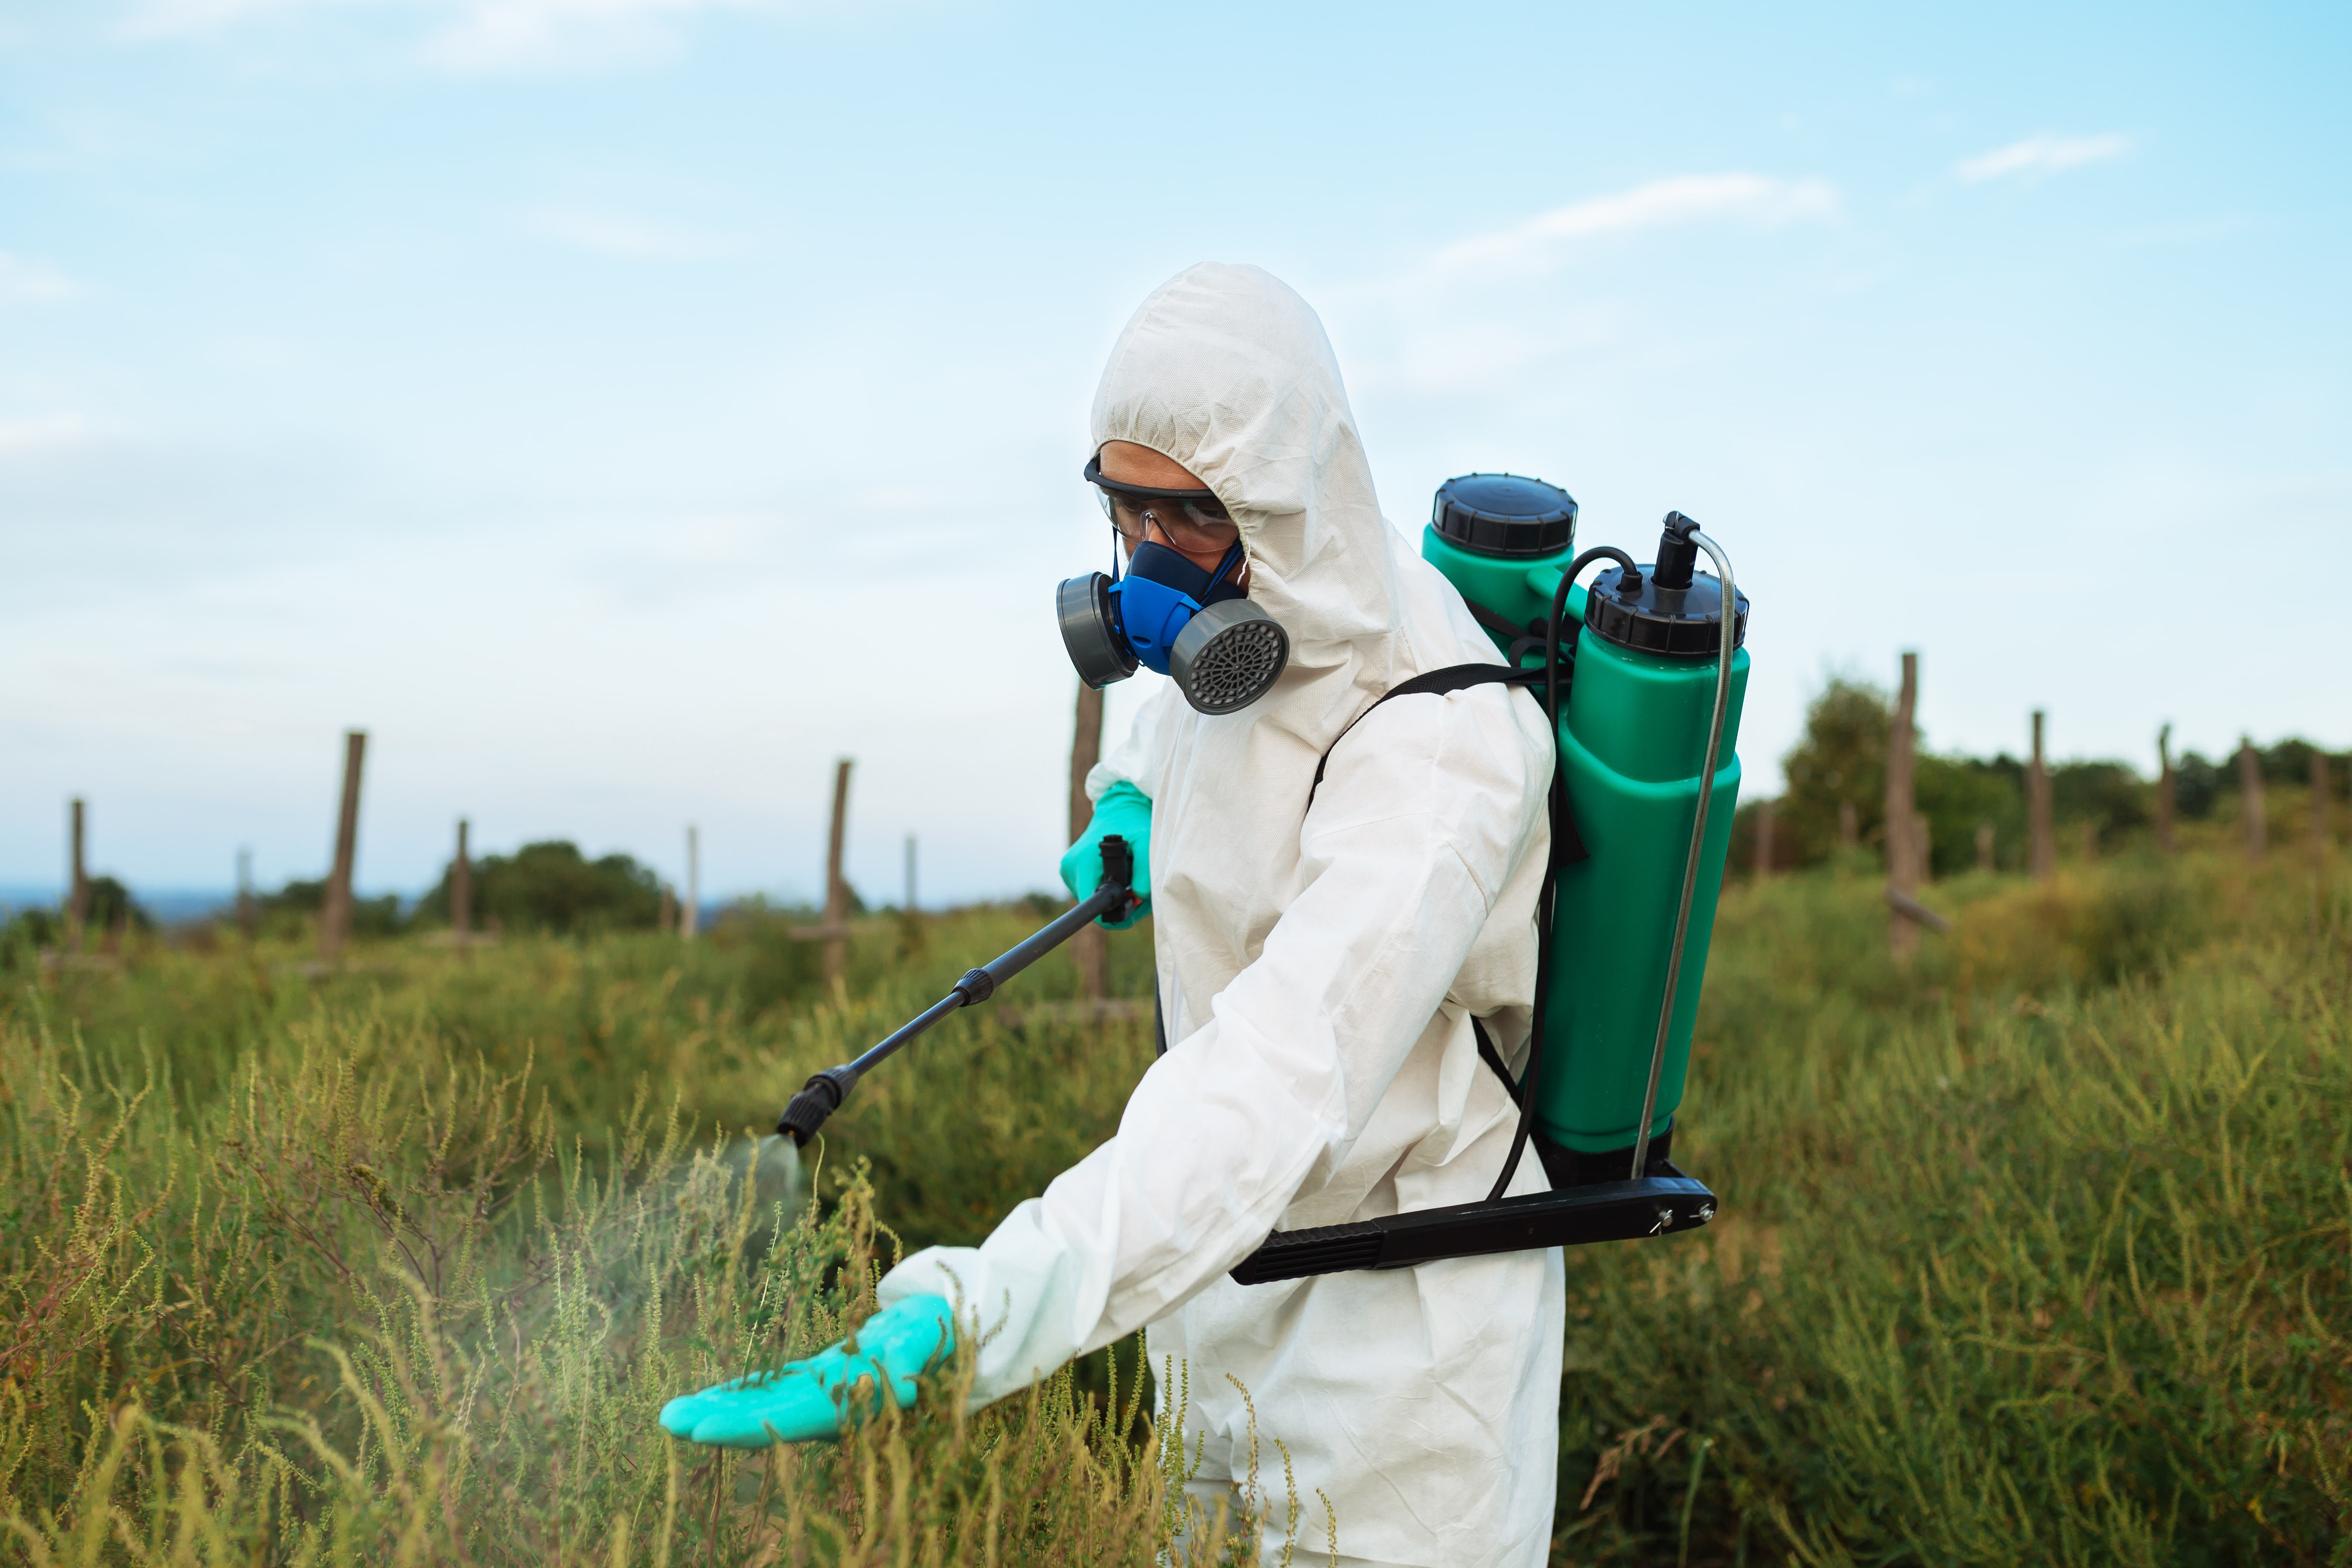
column 473, row 35
column 1537, row 245
column 2041, row 154
column 22, row 438
column 617, row 234
column 24, row 282
column 500, row 35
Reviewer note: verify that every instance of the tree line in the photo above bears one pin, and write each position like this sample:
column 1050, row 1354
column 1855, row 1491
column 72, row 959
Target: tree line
column 1836, row 786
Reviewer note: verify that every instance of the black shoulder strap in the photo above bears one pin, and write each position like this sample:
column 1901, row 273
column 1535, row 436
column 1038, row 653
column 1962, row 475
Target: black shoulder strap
column 1494, row 1058
column 1568, row 845
column 1429, row 683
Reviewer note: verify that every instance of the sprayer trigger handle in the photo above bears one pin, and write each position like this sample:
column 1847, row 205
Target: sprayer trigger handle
column 1117, row 860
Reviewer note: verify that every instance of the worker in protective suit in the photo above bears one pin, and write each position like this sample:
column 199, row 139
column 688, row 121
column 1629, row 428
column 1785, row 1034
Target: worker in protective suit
column 1323, row 950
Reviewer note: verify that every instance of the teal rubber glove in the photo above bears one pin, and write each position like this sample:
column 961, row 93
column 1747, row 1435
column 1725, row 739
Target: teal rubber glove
column 814, row 1398
column 1126, row 811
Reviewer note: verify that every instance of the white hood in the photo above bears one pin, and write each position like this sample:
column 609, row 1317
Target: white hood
column 1227, row 371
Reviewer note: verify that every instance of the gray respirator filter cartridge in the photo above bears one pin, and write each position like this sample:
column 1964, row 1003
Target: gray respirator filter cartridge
column 1228, row 655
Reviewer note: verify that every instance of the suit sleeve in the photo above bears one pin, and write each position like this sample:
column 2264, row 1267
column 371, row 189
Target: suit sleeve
column 1428, row 806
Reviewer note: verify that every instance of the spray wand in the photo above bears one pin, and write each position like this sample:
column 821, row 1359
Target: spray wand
column 823, row 1094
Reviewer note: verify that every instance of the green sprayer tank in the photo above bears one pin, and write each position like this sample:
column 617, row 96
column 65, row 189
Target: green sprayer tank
column 1633, row 742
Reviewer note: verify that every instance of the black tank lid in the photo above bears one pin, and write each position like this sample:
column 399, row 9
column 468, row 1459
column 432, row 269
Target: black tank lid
column 1671, row 609
column 1502, row 514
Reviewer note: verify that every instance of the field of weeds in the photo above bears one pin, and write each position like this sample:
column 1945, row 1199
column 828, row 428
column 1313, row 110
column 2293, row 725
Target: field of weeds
column 2036, row 1252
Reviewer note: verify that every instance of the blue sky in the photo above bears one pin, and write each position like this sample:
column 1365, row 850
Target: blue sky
column 623, row 407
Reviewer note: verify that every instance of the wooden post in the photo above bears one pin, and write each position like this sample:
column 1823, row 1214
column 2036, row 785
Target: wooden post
column 689, row 914
column 461, row 891
column 2164, row 791
column 335, row 917
column 2250, row 798
column 836, row 886
column 1088, row 950
column 1849, row 830
column 78, row 890
column 1902, row 857
column 2320, row 838
column 248, row 912
column 1763, row 844
column 2042, row 843
column 1984, row 847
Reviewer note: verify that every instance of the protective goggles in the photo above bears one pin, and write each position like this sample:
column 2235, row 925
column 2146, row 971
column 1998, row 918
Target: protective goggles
column 1190, row 520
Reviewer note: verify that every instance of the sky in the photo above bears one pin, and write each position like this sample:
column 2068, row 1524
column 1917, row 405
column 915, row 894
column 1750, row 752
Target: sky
column 622, row 408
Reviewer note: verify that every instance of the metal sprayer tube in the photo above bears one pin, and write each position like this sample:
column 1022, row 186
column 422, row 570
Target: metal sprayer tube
column 1729, row 645
column 907, row 1031
column 1108, row 898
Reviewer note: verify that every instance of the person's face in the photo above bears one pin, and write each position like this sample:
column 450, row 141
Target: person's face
column 1200, row 531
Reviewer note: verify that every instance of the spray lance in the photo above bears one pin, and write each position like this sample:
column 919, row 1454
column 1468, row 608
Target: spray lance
column 823, row 1094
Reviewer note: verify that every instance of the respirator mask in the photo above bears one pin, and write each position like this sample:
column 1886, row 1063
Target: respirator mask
column 1189, row 623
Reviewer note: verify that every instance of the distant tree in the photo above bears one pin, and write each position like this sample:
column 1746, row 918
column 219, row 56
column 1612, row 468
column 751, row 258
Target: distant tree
column 288, row 911
column 2108, row 793
column 111, row 905
column 1841, row 756
column 551, row 887
column 1958, row 795
column 2198, row 785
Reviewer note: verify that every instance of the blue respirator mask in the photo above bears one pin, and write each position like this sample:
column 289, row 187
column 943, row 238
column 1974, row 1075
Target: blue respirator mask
column 1191, row 624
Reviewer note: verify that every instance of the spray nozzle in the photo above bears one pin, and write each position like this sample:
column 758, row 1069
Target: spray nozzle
column 1678, row 553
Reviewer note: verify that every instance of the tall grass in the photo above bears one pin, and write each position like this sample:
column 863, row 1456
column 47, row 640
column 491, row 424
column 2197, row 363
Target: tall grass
column 2035, row 1251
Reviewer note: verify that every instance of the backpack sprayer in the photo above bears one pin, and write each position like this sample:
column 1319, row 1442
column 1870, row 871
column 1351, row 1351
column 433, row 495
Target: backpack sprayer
column 1641, row 677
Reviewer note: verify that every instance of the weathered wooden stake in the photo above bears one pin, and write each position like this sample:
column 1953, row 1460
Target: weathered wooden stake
column 2320, row 838
column 248, row 912
column 2250, row 798
column 2164, row 791
column 2041, row 841
column 1088, row 948
column 836, row 886
column 461, row 891
column 78, row 891
column 689, row 914
column 1763, row 841
column 1984, row 846
column 1902, row 850
column 335, row 917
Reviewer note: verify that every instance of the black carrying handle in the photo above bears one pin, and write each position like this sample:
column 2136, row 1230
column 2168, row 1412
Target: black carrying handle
column 823, row 1094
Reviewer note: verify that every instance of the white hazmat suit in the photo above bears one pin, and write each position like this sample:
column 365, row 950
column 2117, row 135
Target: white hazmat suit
column 1319, row 967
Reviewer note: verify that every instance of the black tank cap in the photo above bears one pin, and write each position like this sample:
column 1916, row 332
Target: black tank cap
column 1681, row 619
column 1504, row 514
